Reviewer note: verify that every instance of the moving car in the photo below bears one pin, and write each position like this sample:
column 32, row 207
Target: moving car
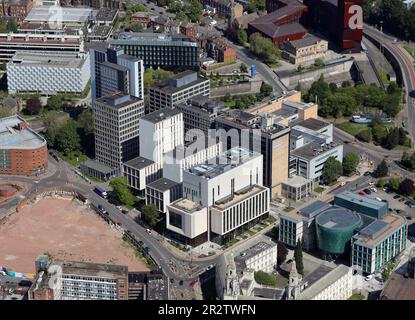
column 101, row 192
column 102, row 209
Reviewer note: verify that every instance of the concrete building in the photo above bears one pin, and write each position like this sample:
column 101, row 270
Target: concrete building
column 175, row 51
column 116, row 125
column 22, row 151
column 379, row 242
column 324, row 283
column 199, row 114
column 370, row 207
column 96, row 4
column 230, row 189
column 47, row 73
column 260, row 133
column 178, row 89
column 140, row 172
column 163, row 132
column 51, row 43
column 80, row 281
column 112, row 70
column 300, row 226
column 225, row 8
column 297, row 188
column 305, row 51
column 310, row 149
column 260, row 257
column 60, row 15
column 163, row 192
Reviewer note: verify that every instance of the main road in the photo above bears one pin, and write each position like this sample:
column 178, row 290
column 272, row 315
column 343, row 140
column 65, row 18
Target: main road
column 406, row 65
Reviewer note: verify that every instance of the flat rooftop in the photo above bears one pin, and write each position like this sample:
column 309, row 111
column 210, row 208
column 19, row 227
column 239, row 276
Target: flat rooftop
column 313, row 150
column 92, row 269
column 252, row 252
column 186, row 205
column 139, row 163
column 238, row 196
column 160, row 115
column 97, row 166
column 338, row 218
column 296, row 181
column 162, row 184
column 313, row 124
column 226, row 161
column 307, row 41
column 12, row 137
column 154, row 39
column 360, row 200
column 167, row 86
column 118, row 100
column 106, row 15
column 47, row 60
column 59, row 14
column 314, row 208
column 379, row 230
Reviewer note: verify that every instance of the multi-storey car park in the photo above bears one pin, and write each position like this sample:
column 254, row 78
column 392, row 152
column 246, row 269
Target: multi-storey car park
column 22, row 151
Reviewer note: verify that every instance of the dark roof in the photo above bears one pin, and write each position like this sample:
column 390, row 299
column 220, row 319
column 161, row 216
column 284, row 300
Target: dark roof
column 311, row 150
column 162, row 184
column 105, row 14
column 338, row 218
column 316, row 275
column 139, row 163
column 273, row 31
column 314, row 208
column 160, row 115
column 399, row 288
column 313, row 124
column 304, row 42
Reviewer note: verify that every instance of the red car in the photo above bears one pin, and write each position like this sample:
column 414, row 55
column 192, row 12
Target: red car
column 362, row 193
column 119, row 224
column 193, row 283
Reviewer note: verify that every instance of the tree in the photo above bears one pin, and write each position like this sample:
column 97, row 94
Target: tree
column 122, row 191
column 407, row 187
column 332, row 170
column 394, row 183
column 282, row 253
column 241, row 36
column 350, row 162
column 381, row 170
column 181, row 16
column 365, row 135
column 255, row 5
column 408, row 161
column 55, row 102
column 150, row 214
column 67, row 138
column 386, row 272
column 195, row 10
column 266, row 89
column 11, row 26
column 33, row 105
column 381, row 183
column 137, row 27
column 298, row 256
column 243, row 68
column 392, row 139
column 264, row 48
column 137, row 7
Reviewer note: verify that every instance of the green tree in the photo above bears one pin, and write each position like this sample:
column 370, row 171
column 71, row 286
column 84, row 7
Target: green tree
column 137, row 7
column 386, row 272
column 365, row 135
column 264, row 48
column 67, row 138
column 33, row 105
column 394, row 183
column 241, row 36
column 243, row 68
column 298, row 256
column 332, row 170
column 55, row 102
column 381, row 183
column 195, row 10
column 266, row 89
column 381, row 170
column 122, row 192
column 350, row 162
column 137, row 27
column 150, row 214
column 392, row 139
column 181, row 16
column 11, row 26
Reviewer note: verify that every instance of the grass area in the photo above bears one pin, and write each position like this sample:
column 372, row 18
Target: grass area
column 230, row 243
column 264, row 278
column 410, row 50
column 230, row 104
column 357, row 296
column 319, row 189
column 352, row 128
column 74, row 158
column 383, row 75
column 288, row 209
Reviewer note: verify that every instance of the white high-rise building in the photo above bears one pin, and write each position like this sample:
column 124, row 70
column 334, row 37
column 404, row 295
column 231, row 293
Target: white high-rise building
column 163, row 131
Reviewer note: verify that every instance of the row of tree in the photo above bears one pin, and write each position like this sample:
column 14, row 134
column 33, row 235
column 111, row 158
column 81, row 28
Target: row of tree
column 248, row 100
column 385, row 136
column 8, row 25
column 345, row 101
column 405, row 187
column 397, row 18
column 333, row 168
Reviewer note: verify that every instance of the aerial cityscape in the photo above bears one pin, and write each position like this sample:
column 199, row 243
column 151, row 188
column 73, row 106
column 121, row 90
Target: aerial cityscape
column 209, row 150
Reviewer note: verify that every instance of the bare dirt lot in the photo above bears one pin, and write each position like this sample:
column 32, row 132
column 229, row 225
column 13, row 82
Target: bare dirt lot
column 64, row 229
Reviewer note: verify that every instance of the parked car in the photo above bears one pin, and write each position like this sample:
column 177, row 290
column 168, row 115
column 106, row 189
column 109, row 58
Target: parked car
column 378, row 199
column 396, row 196
column 367, row 173
column 374, row 190
column 401, row 200
column 102, row 209
column 371, row 183
column 369, row 277
column 362, row 193
column 367, row 191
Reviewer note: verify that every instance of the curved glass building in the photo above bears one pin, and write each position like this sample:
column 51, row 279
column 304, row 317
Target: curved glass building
column 335, row 228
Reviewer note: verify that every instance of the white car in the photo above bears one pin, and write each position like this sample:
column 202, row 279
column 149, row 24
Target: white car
column 148, row 231
column 371, row 183
column 369, row 277
column 343, row 184
column 374, row 189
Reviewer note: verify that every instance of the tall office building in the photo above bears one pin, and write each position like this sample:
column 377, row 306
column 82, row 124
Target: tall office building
column 111, row 69
column 178, row 89
column 116, row 122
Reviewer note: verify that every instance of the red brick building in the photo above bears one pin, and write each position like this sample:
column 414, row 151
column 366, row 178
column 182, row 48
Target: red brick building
column 218, row 49
column 281, row 25
column 17, row 9
column 188, row 29
column 22, row 151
